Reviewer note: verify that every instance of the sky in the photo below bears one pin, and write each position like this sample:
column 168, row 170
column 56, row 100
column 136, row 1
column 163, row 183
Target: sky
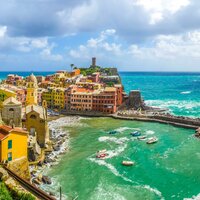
column 132, row 35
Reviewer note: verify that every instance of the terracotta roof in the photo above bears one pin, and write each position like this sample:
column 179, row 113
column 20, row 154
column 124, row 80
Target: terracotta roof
column 6, row 130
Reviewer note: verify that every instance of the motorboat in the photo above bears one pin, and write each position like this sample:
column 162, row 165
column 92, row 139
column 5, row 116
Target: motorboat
column 127, row 163
column 152, row 140
column 112, row 132
column 142, row 137
column 135, row 133
column 101, row 154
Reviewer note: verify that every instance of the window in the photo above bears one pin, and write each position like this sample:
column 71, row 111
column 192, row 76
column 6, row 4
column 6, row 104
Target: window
column 10, row 156
column 11, row 109
column 9, row 144
column 33, row 117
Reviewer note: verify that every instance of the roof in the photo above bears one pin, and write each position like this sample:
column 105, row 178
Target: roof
column 32, row 78
column 6, row 130
column 110, row 89
column 11, row 100
column 38, row 109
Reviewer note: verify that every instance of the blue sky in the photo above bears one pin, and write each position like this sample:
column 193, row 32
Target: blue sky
column 133, row 35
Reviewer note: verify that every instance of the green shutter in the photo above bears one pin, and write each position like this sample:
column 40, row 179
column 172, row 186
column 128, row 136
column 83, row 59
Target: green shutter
column 9, row 144
column 10, row 156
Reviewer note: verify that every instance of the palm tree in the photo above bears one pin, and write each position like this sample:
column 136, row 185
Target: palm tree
column 72, row 66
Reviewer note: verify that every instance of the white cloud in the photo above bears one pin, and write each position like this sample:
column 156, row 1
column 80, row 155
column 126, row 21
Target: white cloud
column 3, row 30
column 158, row 9
column 47, row 54
column 98, row 46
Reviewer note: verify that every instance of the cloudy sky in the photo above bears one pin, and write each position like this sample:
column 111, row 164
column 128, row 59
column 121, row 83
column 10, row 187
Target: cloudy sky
column 133, row 35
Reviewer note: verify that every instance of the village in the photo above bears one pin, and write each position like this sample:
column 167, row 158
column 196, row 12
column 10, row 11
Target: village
column 28, row 103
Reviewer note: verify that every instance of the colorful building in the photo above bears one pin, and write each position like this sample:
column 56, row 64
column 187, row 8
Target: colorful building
column 12, row 112
column 13, row 143
column 4, row 94
column 35, row 121
column 31, row 91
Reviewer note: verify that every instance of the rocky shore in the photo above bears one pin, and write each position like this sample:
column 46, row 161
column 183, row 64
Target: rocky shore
column 60, row 145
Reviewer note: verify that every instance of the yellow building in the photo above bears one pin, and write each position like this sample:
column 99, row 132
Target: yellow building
column 5, row 94
column 31, row 96
column 55, row 97
column 35, row 121
column 13, row 143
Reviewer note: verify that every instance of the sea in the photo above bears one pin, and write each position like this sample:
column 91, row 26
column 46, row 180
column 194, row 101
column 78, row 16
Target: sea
column 168, row 169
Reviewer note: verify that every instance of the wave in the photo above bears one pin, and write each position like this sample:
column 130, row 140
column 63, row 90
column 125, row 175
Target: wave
column 193, row 198
column 149, row 132
column 186, row 92
column 116, row 173
column 113, row 139
column 188, row 108
column 122, row 129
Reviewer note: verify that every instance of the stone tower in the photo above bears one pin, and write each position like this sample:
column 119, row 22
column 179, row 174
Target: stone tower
column 32, row 87
column 12, row 112
column 135, row 100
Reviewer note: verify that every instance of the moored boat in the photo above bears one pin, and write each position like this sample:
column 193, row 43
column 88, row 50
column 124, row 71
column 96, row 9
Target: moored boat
column 143, row 137
column 135, row 133
column 113, row 132
column 152, row 140
column 127, row 163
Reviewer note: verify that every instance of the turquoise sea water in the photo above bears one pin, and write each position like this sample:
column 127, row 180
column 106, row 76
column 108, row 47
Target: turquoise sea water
column 179, row 92
column 166, row 170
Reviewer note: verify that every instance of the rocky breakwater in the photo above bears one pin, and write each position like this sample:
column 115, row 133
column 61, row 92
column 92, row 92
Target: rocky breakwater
column 59, row 136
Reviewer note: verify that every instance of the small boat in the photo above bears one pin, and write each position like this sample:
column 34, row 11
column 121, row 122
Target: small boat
column 152, row 140
column 127, row 163
column 143, row 137
column 135, row 133
column 102, row 155
column 112, row 132
column 101, row 151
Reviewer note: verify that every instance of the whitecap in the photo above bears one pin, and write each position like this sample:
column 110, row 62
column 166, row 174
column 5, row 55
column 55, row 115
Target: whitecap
column 122, row 129
column 193, row 198
column 149, row 132
column 186, row 92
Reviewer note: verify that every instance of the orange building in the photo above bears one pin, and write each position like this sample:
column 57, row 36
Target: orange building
column 106, row 101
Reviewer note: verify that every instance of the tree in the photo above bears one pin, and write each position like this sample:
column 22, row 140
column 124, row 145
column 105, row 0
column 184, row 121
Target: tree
column 72, row 66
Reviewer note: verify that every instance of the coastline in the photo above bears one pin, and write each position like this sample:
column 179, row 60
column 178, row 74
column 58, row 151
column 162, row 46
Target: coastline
column 57, row 124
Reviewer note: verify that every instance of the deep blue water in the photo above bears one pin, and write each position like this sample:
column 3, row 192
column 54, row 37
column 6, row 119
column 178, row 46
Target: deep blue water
column 179, row 92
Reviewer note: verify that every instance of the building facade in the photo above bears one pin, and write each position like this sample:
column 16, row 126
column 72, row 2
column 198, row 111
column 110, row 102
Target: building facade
column 13, row 143
column 12, row 112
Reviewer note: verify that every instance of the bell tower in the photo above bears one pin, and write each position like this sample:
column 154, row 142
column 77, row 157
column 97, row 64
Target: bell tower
column 32, row 87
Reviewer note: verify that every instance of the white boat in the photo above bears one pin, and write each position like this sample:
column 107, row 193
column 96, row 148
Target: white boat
column 152, row 140
column 143, row 137
column 101, row 151
column 127, row 163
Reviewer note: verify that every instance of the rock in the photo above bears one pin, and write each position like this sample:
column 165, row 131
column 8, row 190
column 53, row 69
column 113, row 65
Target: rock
column 52, row 194
column 56, row 148
column 36, row 181
column 46, row 180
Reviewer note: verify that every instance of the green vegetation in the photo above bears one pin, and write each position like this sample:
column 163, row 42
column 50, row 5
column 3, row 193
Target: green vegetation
column 23, row 196
column 90, row 70
column 4, row 193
